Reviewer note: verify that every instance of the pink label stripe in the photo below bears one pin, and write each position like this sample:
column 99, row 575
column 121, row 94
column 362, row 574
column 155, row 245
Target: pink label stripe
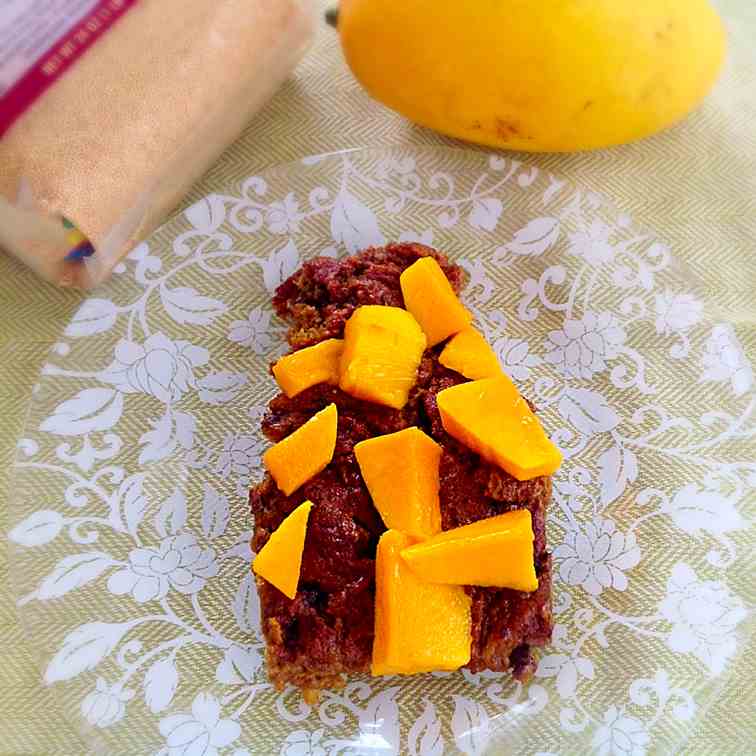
column 59, row 58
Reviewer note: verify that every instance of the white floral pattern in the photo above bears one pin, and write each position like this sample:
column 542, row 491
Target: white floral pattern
column 143, row 437
column 676, row 312
column 303, row 743
column 283, row 216
column 426, row 237
column 105, row 705
column 179, row 563
column 620, row 735
column 593, row 243
column 597, row 556
column 160, row 367
column 254, row 332
column 515, row 358
column 202, row 733
column 704, row 615
column 241, row 455
column 724, row 360
column 580, row 349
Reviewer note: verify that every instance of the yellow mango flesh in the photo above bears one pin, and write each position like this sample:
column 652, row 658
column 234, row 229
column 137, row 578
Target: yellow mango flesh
column 548, row 76
column 497, row 551
column 383, row 347
column 280, row 560
column 304, row 453
column 419, row 626
column 307, row 367
column 471, row 355
column 401, row 473
column 490, row 417
column 429, row 296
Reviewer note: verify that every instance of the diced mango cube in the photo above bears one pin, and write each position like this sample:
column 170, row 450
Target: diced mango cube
column 429, row 296
column 471, row 355
column 307, row 367
column 304, row 453
column 497, row 551
column 401, row 473
column 490, row 417
column 419, row 626
column 280, row 560
column 383, row 347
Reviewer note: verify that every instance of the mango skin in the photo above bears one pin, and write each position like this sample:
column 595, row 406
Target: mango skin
column 546, row 75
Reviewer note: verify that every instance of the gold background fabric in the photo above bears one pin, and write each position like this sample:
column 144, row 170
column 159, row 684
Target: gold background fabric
column 695, row 185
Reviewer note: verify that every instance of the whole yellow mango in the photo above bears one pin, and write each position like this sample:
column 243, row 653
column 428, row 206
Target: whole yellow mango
column 536, row 75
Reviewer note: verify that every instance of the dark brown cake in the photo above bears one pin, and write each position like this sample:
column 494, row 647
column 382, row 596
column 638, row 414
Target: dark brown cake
column 327, row 630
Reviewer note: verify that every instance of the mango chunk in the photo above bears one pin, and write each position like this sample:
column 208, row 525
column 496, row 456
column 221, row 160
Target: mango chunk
column 490, row 417
column 419, row 626
column 497, row 551
column 401, row 473
column 429, row 296
column 303, row 454
column 280, row 560
column 471, row 355
column 382, row 350
column 307, row 367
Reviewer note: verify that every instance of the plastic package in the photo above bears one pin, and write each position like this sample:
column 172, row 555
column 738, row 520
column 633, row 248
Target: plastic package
column 110, row 147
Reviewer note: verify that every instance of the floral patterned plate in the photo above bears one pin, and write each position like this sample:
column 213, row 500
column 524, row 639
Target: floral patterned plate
column 129, row 519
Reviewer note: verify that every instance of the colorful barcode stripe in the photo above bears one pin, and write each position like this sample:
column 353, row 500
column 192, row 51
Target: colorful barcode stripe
column 78, row 244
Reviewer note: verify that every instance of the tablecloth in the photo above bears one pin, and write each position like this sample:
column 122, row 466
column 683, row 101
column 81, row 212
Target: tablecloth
column 695, row 185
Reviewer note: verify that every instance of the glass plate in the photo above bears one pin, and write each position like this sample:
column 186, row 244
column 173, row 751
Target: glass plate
column 130, row 525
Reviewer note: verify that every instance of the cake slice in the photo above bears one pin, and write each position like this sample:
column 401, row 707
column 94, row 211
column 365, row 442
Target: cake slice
column 326, row 632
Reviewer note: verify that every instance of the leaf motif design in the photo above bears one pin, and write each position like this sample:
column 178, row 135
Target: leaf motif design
column 587, row 410
column 158, row 442
column 94, row 409
column 239, row 666
column 425, row 737
column 207, row 214
column 566, row 680
column 536, row 237
column 619, row 466
column 171, row 517
column 379, row 721
column 72, row 572
column 84, row 648
column 549, row 665
column 353, row 224
column 242, row 548
column 170, row 431
column 160, row 684
column 38, row 528
column 554, row 187
column 470, row 726
column 485, row 213
column 129, row 504
column 280, row 265
column 94, row 316
column 186, row 305
column 246, row 606
column 215, row 513
column 694, row 510
column 221, row 387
